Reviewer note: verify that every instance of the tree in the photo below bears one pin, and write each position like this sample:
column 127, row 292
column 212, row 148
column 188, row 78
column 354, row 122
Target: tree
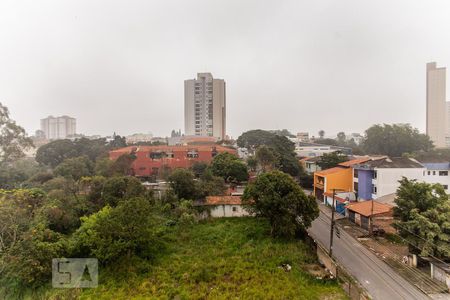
column 266, row 158
column 183, row 184
column 118, row 142
column 210, row 185
column 112, row 233
column 423, row 211
column 199, row 168
column 252, row 163
column 341, row 138
column 75, row 168
column 280, row 145
column 395, row 140
column 278, row 198
column 229, row 167
column 321, row 134
column 116, row 189
column 331, row 160
column 123, row 165
column 13, row 138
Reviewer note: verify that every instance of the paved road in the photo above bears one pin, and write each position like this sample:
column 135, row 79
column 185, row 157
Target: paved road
column 378, row 278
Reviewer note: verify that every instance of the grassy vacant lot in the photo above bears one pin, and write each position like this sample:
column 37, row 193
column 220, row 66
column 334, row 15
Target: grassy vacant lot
column 219, row 259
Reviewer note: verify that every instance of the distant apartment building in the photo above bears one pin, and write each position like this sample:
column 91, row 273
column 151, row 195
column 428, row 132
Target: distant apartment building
column 158, row 160
column 437, row 124
column 303, row 136
column 139, row 137
column 303, row 149
column 205, row 106
column 55, row 128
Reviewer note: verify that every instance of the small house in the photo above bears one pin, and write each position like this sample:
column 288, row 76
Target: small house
column 225, row 206
column 361, row 213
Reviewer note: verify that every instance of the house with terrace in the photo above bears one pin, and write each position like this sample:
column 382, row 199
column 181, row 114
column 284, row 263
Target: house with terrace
column 437, row 171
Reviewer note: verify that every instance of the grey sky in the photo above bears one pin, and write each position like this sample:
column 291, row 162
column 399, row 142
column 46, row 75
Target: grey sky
column 302, row 65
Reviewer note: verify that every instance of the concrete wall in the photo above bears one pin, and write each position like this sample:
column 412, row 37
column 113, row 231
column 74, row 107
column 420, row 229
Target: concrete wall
column 220, row 211
column 387, row 179
column 436, row 104
column 365, row 184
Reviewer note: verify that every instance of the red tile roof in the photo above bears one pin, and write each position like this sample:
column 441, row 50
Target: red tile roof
column 365, row 208
column 330, row 171
column 354, row 162
column 223, row 200
column 171, row 148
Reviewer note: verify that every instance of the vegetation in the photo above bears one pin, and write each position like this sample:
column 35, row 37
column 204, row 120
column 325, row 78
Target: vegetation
column 13, row 138
column 278, row 198
column 282, row 148
column 218, row 259
column 395, row 140
column 229, row 167
column 331, row 160
column 424, row 218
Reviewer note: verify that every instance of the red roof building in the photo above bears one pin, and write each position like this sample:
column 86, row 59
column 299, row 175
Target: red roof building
column 151, row 160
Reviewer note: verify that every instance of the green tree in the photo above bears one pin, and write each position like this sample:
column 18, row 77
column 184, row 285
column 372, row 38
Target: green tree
column 199, row 168
column 126, row 230
column 13, row 138
column 266, row 158
column 75, row 168
column 331, row 160
column 395, row 140
column 183, row 184
column 423, row 211
column 118, row 142
column 210, row 185
column 229, row 167
column 252, row 163
column 278, row 198
column 341, row 137
column 116, row 189
column 123, row 165
column 104, row 167
column 280, row 145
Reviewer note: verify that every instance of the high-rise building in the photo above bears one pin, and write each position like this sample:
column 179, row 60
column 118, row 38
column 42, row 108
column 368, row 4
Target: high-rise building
column 436, row 105
column 205, row 106
column 56, row 128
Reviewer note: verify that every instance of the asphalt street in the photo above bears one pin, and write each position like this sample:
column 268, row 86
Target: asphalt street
column 375, row 276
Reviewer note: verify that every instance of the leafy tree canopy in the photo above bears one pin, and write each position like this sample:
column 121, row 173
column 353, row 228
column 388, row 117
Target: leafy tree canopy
column 395, row 140
column 13, row 138
column 75, row 168
column 183, row 184
column 424, row 217
column 331, row 160
column 229, row 167
column 278, row 198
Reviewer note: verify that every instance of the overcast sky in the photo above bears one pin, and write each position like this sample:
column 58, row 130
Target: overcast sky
column 339, row 65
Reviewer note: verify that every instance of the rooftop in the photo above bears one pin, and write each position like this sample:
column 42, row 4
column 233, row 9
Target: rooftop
column 394, row 162
column 354, row 162
column 170, row 148
column 365, row 208
column 330, row 171
column 223, row 200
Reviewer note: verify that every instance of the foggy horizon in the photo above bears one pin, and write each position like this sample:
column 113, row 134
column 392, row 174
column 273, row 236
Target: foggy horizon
column 120, row 67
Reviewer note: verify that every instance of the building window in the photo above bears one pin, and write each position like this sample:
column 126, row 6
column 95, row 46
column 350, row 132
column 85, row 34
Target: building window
column 192, row 154
column 355, row 173
column 429, row 172
column 355, row 187
column 375, row 175
column 434, row 172
column 443, row 173
column 374, row 189
column 235, row 209
column 445, row 186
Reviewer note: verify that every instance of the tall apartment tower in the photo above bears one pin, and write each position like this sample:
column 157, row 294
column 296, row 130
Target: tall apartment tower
column 205, row 106
column 56, row 128
column 437, row 124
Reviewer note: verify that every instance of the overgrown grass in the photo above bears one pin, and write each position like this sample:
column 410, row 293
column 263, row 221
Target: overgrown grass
column 218, row 259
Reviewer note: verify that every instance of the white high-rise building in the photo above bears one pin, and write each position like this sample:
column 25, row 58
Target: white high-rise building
column 205, row 106
column 437, row 125
column 56, row 128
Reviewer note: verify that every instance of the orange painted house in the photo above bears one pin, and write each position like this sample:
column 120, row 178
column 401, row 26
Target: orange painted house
column 340, row 177
column 151, row 160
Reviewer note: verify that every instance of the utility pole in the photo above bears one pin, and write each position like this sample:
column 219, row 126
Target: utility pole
column 371, row 220
column 330, row 252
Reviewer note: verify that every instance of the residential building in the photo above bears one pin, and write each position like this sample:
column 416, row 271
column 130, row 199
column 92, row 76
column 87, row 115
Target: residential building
column 139, row 137
column 55, row 128
column 381, row 214
column 304, row 149
column 375, row 178
column 436, row 118
column 225, row 206
column 205, row 106
column 303, row 137
column 191, row 140
column 337, row 178
column 437, row 171
column 310, row 164
column 155, row 161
